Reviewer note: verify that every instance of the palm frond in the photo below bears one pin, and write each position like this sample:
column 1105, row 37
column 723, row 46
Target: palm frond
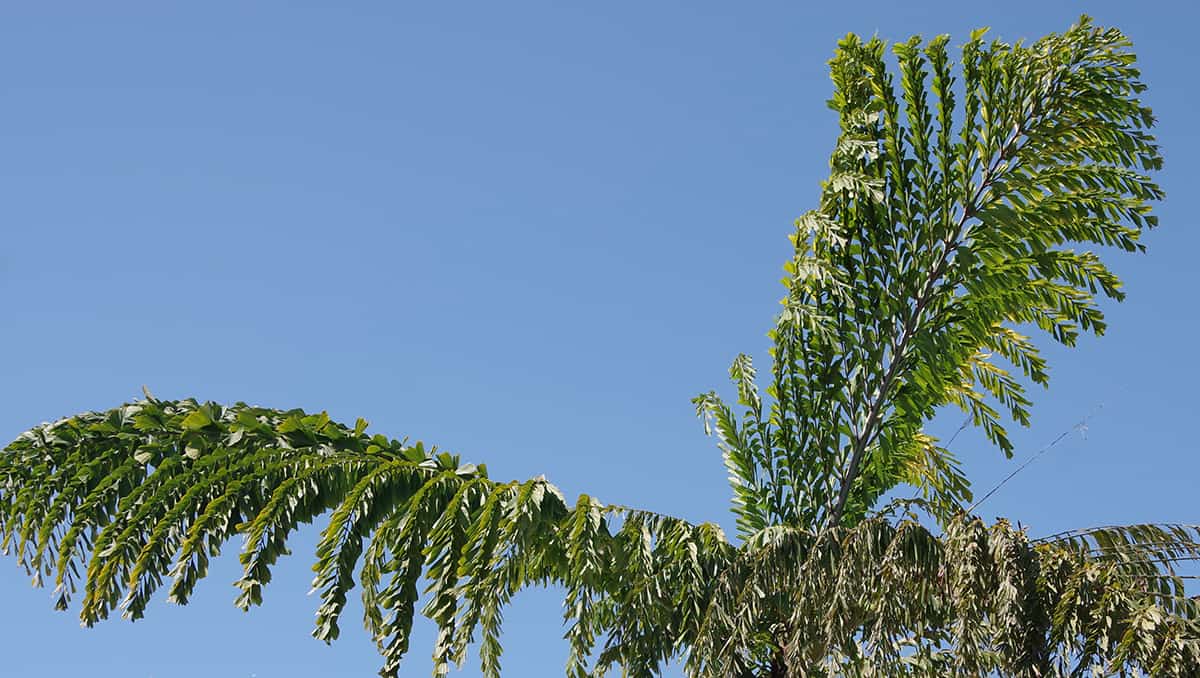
column 147, row 493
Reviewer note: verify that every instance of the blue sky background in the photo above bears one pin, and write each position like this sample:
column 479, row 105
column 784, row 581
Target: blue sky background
column 526, row 232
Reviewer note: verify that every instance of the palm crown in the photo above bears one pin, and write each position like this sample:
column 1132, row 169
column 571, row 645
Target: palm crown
column 944, row 231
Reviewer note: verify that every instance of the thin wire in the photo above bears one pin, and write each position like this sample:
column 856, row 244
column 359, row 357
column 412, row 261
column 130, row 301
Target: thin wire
column 960, row 430
column 1084, row 532
column 1081, row 426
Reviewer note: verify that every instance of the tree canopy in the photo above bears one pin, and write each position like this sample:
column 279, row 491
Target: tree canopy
column 959, row 191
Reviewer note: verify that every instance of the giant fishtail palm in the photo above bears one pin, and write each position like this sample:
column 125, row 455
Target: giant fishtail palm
column 943, row 232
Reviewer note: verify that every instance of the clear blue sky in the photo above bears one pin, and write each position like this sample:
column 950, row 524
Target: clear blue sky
column 524, row 232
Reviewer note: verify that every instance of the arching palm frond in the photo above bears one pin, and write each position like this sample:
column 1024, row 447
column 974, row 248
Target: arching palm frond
column 111, row 506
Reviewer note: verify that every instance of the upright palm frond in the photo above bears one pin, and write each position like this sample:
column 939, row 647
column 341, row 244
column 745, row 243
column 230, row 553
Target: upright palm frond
column 944, row 232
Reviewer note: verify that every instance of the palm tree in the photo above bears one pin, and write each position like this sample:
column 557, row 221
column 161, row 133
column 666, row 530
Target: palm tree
column 943, row 232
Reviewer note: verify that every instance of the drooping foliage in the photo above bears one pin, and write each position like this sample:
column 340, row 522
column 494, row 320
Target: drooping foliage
column 944, row 233
column 111, row 506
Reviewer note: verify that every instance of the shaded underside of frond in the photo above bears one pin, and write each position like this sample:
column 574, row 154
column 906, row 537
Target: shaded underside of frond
column 888, row 598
